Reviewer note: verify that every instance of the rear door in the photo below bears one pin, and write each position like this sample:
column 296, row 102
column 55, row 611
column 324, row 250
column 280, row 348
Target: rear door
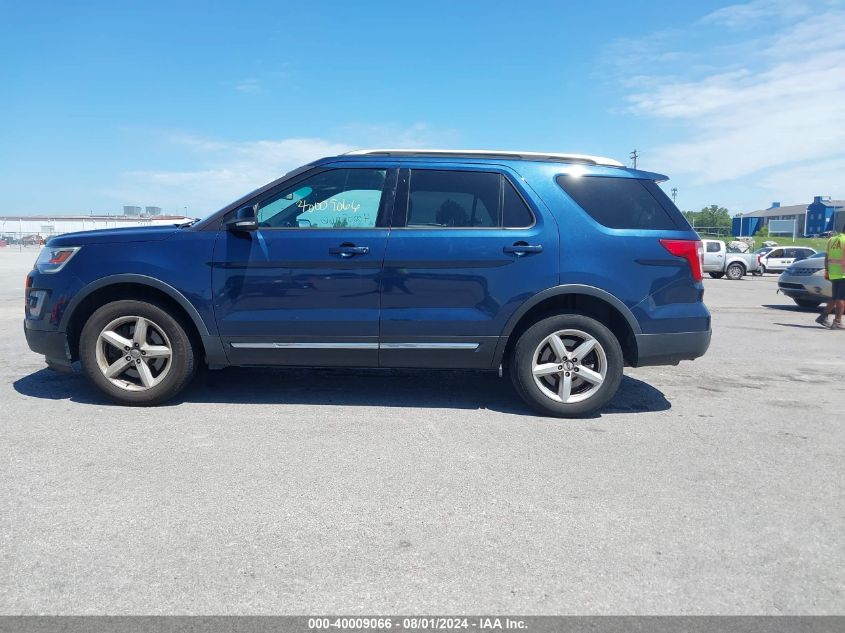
column 304, row 288
column 468, row 245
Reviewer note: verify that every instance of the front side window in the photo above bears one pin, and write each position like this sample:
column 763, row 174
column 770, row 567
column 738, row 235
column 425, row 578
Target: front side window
column 337, row 198
column 453, row 199
column 776, row 253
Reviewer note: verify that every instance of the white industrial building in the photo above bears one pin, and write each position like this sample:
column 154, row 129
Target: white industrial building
column 46, row 225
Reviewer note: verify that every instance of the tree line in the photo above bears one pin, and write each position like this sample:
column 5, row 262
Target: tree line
column 712, row 216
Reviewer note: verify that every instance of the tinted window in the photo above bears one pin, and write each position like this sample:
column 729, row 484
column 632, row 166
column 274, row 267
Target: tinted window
column 713, row 247
column 453, row 199
column 337, row 198
column 623, row 203
column 778, row 252
column 515, row 213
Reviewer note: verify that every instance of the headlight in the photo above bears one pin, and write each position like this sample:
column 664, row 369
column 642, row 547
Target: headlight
column 53, row 259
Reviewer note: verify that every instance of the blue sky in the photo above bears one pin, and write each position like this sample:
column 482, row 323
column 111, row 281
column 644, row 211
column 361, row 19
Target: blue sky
column 181, row 104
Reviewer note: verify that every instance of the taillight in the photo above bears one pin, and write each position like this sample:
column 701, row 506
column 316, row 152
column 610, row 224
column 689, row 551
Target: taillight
column 690, row 250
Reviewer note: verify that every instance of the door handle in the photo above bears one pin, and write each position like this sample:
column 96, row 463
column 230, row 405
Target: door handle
column 349, row 250
column 523, row 248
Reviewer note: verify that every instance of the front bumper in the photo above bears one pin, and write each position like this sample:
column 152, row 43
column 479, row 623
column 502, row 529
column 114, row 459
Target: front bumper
column 52, row 344
column 805, row 287
column 670, row 349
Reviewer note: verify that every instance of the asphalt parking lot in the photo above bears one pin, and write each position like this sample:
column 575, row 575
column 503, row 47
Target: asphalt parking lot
column 712, row 487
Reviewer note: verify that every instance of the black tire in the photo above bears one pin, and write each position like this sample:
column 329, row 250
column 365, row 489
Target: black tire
column 522, row 360
column 807, row 303
column 762, row 270
column 735, row 271
column 182, row 359
column 717, row 275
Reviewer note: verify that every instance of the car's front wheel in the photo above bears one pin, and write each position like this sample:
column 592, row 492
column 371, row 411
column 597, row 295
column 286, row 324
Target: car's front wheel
column 136, row 353
column 567, row 365
column 807, row 303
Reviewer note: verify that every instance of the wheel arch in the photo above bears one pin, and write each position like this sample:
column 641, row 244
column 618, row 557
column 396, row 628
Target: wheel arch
column 573, row 298
column 143, row 288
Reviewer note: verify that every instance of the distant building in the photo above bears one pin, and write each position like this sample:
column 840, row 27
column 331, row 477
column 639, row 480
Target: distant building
column 813, row 219
column 47, row 225
column 152, row 211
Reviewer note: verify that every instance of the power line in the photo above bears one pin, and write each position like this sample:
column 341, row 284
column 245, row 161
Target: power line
column 634, row 156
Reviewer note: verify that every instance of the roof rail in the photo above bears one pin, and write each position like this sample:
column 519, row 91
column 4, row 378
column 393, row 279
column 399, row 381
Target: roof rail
column 484, row 153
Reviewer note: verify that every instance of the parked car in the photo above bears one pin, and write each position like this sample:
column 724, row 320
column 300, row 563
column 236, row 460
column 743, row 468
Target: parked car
column 719, row 261
column 781, row 257
column 560, row 269
column 804, row 282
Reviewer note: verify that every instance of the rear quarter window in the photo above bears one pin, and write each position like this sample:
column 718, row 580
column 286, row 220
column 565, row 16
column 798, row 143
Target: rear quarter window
column 624, row 203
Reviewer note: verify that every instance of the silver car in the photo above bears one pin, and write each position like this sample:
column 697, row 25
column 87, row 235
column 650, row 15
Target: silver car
column 804, row 282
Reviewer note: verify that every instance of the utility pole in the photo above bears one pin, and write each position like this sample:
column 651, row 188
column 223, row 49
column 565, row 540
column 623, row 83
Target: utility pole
column 634, row 156
column 674, row 194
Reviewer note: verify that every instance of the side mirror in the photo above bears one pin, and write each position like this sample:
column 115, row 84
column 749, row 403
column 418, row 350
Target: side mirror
column 243, row 220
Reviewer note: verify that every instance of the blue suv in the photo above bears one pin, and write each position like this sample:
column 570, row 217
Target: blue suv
column 559, row 268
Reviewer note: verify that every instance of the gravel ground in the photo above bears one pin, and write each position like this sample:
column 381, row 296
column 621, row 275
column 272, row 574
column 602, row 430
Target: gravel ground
column 712, row 487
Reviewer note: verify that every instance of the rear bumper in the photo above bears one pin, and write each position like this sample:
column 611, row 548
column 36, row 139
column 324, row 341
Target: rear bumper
column 670, row 349
column 51, row 343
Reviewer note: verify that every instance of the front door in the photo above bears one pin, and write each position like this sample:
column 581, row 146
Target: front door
column 304, row 288
column 777, row 260
column 714, row 257
column 467, row 247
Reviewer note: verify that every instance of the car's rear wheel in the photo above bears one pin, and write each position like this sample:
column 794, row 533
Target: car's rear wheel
column 136, row 353
column 567, row 365
column 735, row 271
column 717, row 275
column 807, row 303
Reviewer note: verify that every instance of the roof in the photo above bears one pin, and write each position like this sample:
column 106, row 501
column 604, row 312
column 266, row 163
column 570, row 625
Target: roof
column 486, row 153
column 792, row 209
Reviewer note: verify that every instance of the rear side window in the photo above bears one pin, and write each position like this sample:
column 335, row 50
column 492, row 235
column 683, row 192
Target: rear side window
column 515, row 213
column 465, row 199
column 453, row 199
column 712, row 247
column 623, row 203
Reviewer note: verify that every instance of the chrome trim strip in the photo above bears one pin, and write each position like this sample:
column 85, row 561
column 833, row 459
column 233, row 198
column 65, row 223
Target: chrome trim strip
column 429, row 346
column 466, row 346
column 305, row 345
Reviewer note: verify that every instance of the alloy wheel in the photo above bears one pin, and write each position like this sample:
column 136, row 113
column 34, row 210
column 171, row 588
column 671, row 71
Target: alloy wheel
column 569, row 366
column 134, row 353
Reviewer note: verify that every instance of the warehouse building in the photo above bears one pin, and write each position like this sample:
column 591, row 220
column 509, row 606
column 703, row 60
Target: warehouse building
column 811, row 219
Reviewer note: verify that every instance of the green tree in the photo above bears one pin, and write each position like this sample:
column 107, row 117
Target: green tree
column 713, row 216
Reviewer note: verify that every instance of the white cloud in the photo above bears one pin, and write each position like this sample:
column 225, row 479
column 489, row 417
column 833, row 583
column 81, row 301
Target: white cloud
column 226, row 170
column 748, row 13
column 248, row 85
column 776, row 111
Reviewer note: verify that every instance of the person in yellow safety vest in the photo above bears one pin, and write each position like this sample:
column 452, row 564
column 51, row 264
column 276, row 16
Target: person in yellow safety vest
column 834, row 270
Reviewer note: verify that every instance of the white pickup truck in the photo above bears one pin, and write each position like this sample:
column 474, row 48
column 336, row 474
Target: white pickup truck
column 719, row 262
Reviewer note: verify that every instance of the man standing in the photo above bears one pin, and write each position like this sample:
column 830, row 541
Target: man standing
column 834, row 270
